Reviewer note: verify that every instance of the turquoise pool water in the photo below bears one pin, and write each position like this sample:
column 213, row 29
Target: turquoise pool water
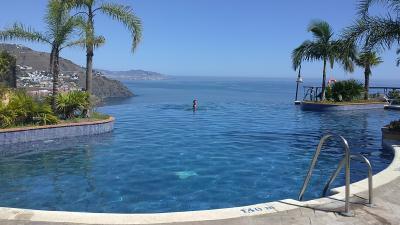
column 246, row 144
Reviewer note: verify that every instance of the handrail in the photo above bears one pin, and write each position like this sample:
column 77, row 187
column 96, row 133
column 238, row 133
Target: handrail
column 340, row 166
column 333, row 176
column 347, row 169
column 312, row 92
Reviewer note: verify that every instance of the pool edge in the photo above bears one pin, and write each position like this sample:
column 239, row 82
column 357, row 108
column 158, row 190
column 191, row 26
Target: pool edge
column 20, row 135
column 391, row 173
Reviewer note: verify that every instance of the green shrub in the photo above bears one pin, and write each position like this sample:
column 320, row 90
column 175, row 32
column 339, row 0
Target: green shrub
column 394, row 125
column 395, row 94
column 43, row 115
column 72, row 104
column 347, row 90
column 7, row 116
column 23, row 109
column 328, row 93
column 7, row 69
column 22, row 104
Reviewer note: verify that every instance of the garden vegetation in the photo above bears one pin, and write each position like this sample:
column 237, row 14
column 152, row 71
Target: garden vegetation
column 70, row 23
column 345, row 91
column 17, row 109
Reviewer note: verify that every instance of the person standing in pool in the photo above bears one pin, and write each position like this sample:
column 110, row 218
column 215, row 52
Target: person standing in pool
column 195, row 105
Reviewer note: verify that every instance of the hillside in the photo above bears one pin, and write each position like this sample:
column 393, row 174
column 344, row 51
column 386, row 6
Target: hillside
column 34, row 62
column 133, row 75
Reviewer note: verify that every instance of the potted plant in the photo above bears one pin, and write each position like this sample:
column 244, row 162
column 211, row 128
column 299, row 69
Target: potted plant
column 391, row 131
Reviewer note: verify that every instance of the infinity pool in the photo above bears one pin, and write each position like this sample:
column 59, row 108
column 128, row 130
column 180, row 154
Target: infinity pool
column 247, row 144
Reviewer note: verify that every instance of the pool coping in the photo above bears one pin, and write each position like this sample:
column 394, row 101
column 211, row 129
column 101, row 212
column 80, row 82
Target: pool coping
column 310, row 106
column 57, row 131
column 28, row 128
column 391, row 173
column 344, row 103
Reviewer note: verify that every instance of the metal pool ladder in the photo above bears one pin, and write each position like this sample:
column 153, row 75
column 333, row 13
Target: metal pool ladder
column 344, row 162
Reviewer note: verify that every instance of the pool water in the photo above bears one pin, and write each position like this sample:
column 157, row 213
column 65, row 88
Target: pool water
column 246, row 144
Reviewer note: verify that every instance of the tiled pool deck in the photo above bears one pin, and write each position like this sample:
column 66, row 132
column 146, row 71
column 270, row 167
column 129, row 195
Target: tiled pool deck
column 386, row 209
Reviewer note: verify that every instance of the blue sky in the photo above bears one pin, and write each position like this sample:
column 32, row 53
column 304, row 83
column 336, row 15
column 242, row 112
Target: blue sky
column 209, row 37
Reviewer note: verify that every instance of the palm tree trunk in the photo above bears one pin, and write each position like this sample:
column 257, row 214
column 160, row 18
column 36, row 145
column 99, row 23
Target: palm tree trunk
column 89, row 56
column 89, row 69
column 89, row 51
column 323, row 81
column 56, row 71
column 89, row 76
column 51, row 61
column 13, row 73
column 367, row 73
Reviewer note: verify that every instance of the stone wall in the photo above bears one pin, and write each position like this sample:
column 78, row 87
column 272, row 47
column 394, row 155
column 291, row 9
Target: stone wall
column 332, row 107
column 29, row 134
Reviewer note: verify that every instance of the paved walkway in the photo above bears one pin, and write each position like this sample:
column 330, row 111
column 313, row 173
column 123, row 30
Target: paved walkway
column 385, row 211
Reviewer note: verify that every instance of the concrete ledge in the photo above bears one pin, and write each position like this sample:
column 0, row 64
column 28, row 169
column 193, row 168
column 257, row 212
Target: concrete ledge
column 309, row 106
column 213, row 216
column 41, row 133
column 390, row 135
column 392, row 107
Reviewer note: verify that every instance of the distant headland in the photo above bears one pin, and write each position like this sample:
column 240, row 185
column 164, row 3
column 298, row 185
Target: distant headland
column 133, row 75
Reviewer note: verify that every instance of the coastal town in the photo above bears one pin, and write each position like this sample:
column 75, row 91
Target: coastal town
column 41, row 81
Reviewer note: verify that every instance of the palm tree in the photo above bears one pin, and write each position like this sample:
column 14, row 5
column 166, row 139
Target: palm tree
column 324, row 47
column 376, row 31
column 60, row 29
column 367, row 60
column 121, row 13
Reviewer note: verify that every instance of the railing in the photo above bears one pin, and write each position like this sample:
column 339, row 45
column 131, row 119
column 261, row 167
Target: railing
column 344, row 162
column 347, row 169
column 313, row 93
column 386, row 90
column 340, row 167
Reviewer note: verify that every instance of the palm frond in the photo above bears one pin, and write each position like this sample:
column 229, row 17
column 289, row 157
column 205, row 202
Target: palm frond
column 346, row 53
column 364, row 5
column 19, row 32
column 374, row 33
column 79, row 4
column 307, row 51
column 357, row 33
column 321, row 30
column 60, row 25
column 97, row 42
column 53, row 16
column 383, row 31
column 127, row 17
column 75, row 43
column 66, row 31
column 298, row 54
